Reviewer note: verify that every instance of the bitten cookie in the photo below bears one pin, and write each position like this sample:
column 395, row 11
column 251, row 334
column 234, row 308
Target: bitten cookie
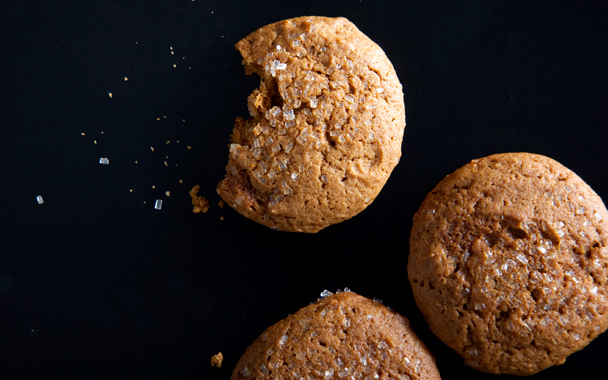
column 508, row 263
column 342, row 336
column 325, row 130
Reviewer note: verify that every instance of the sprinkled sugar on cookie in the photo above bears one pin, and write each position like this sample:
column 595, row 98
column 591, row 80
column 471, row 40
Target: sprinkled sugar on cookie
column 342, row 336
column 325, row 129
column 509, row 263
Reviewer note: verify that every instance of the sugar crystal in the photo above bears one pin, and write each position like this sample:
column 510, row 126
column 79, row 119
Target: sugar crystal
column 301, row 139
column 597, row 216
column 289, row 147
column 159, row 204
column 245, row 372
column 39, row 199
column 264, row 369
column 104, row 161
column 522, row 259
column 283, row 340
column 294, row 176
column 289, row 115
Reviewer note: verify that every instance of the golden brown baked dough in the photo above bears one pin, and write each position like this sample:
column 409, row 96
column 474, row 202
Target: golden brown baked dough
column 325, row 130
column 342, row 336
column 508, row 263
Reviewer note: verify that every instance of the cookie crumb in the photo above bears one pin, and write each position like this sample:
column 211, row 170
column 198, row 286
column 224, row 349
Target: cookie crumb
column 174, row 65
column 189, row 147
column 221, row 204
column 216, row 360
column 168, row 142
column 152, row 149
column 168, row 193
column 221, row 218
column 199, row 203
column 82, row 133
column 180, row 181
column 166, row 164
column 154, row 187
column 126, row 79
column 136, row 162
column 95, row 141
column 130, row 190
column 110, row 94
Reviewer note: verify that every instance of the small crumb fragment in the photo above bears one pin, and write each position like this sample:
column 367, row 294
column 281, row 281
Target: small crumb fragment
column 39, row 199
column 168, row 193
column 180, row 181
column 110, row 94
column 82, row 133
column 166, row 164
column 126, row 79
column 199, row 203
column 177, row 141
column 172, row 53
column 95, row 141
column 168, row 141
column 130, row 190
column 159, row 204
column 221, row 204
column 174, row 65
column 189, row 147
column 152, row 149
column 154, row 187
column 158, row 118
column 221, row 218
column 184, row 120
column 164, row 117
column 102, row 132
column 216, row 360
column 135, row 162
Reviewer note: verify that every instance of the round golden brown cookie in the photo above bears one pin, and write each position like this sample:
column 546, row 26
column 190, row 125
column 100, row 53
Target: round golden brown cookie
column 342, row 336
column 508, row 263
column 325, row 130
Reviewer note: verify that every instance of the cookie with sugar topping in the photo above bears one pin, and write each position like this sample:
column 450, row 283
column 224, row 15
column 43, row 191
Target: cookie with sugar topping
column 341, row 336
column 325, row 129
column 509, row 263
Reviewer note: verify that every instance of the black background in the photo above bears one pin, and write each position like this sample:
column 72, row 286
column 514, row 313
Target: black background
column 97, row 284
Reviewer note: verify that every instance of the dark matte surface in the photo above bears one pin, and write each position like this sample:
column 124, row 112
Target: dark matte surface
column 96, row 284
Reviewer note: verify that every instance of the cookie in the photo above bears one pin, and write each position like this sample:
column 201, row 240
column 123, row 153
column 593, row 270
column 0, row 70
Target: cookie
column 508, row 263
column 342, row 336
column 325, row 130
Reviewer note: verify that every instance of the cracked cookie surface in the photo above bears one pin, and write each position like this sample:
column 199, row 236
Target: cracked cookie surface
column 508, row 263
column 325, row 129
column 342, row 336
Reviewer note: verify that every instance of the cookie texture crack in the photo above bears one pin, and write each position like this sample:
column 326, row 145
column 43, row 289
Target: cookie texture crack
column 326, row 124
